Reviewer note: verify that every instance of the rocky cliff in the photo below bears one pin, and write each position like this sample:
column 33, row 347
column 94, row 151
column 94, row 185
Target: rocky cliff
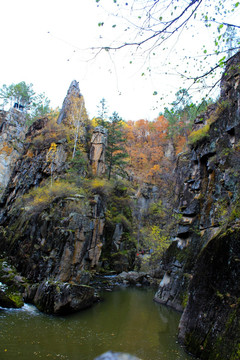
column 12, row 133
column 202, row 264
column 51, row 228
column 57, row 212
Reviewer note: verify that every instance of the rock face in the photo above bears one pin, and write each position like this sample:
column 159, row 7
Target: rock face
column 62, row 298
column 12, row 134
column 45, row 246
column 11, row 286
column 72, row 107
column 97, row 151
column 7, row 302
column 202, row 264
column 58, row 235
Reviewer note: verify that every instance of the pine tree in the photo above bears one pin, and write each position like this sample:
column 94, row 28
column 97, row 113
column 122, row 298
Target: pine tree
column 116, row 153
column 102, row 113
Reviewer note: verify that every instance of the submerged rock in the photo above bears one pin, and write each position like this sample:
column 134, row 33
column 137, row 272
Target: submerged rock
column 63, row 298
column 134, row 278
column 116, row 356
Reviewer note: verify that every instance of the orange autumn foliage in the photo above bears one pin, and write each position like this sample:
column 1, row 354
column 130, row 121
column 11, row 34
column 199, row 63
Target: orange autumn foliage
column 148, row 147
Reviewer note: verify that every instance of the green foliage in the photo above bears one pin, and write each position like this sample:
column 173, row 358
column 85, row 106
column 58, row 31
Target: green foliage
column 40, row 106
column 17, row 299
column 182, row 114
column 157, row 209
column 235, row 212
column 119, row 206
column 79, row 162
column 20, row 93
column 157, row 240
column 115, row 152
column 202, row 134
column 23, row 94
column 102, row 113
column 185, row 298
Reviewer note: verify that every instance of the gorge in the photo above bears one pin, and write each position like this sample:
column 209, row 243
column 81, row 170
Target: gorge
column 62, row 221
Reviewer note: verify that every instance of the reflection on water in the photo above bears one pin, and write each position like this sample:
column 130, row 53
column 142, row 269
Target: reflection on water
column 127, row 321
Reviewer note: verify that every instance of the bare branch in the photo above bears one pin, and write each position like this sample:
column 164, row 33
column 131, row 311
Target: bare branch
column 166, row 30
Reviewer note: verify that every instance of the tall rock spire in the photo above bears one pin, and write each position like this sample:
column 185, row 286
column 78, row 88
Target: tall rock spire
column 73, row 107
column 97, row 151
column 74, row 115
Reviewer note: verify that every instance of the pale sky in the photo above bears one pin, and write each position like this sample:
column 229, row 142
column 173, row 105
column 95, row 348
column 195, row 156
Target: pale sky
column 47, row 42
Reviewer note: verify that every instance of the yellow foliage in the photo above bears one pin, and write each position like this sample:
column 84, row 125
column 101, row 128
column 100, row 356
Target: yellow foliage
column 99, row 186
column 199, row 134
column 51, row 152
column 6, row 148
column 98, row 183
column 40, row 198
column 94, row 122
column 29, row 154
column 156, row 240
column 51, row 133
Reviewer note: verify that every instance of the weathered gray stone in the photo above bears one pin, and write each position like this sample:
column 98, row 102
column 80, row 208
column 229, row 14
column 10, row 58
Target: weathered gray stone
column 63, row 298
column 116, row 356
column 12, row 133
column 97, row 151
column 206, row 283
column 70, row 111
column 134, row 277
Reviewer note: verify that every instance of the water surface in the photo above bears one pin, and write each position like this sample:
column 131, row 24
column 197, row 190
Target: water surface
column 127, row 320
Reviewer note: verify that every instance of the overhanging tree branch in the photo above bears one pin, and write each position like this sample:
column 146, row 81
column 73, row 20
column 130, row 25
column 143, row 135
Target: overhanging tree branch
column 166, row 30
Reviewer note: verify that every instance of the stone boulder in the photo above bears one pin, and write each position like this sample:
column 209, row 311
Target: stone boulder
column 109, row 355
column 10, row 300
column 134, row 278
column 63, row 298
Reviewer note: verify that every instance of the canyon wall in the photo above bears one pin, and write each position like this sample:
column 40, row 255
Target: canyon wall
column 202, row 264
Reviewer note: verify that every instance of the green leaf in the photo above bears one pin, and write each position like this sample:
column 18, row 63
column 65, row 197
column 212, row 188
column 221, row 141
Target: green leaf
column 222, row 61
column 113, row 26
column 155, row 93
column 100, row 24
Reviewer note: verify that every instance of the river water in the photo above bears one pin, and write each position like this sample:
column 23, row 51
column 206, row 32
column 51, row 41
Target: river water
column 127, row 321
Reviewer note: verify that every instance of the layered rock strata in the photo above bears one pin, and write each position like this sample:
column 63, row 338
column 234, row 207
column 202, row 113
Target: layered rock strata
column 202, row 264
column 12, row 134
column 97, row 151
